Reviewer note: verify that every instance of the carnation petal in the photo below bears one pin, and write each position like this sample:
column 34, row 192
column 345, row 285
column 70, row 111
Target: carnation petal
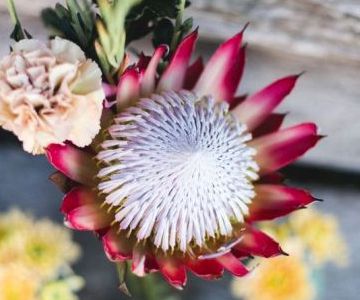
column 273, row 201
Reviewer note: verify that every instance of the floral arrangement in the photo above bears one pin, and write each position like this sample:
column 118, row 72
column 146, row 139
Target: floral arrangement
column 156, row 154
column 35, row 259
column 313, row 239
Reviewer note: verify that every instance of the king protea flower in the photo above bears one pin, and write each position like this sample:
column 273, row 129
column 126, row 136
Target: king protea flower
column 186, row 168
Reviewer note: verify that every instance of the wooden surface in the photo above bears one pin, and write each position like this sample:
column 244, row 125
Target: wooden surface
column 319, row 28
column 329, row 92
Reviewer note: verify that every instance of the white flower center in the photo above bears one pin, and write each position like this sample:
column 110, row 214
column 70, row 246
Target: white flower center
column 178, row 170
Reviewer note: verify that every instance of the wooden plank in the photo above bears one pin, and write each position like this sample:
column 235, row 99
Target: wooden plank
column 318, row 28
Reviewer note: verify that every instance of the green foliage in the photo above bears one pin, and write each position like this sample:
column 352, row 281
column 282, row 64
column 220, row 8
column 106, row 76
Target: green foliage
column 150, row 15
column 110, row 46
column 104, row 36
column 149, row 287
column 75, row 22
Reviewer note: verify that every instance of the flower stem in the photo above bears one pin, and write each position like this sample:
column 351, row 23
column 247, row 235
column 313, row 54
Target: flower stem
column 18, row 33
column 148, row 284
column 12, row 10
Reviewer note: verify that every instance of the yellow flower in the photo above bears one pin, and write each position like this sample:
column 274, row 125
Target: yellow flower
column 13, row 222
column 48, row 247
column 320, row 234
column 62, row 289
column 17, row 283
column 14, row 226
column 280, row 278
column 50, row 93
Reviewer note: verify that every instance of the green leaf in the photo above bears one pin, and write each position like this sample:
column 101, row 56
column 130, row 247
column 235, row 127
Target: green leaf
column 111, row 32
column 122, row 271
column 145, row 17
column 187, row 26
column 18, row 32
column 74, row 22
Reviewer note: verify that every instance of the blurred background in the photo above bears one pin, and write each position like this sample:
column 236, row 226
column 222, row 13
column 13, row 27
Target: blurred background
column 321, row 37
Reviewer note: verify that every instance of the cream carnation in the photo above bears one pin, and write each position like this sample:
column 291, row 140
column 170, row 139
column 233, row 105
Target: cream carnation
column 50, row 94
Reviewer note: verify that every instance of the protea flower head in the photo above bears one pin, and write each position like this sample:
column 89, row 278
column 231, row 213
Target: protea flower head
column 186, row 168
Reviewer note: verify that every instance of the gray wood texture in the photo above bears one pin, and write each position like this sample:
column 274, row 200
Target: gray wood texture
column 329, row 28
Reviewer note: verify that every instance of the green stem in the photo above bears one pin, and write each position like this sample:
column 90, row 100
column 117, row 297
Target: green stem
column 18, row 33
column 148, row 287
column 12, row 10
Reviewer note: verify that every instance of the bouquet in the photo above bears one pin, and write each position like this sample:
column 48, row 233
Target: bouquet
column 157, row 154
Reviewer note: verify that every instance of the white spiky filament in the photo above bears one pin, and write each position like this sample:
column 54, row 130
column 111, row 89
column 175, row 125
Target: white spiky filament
column 178, row 170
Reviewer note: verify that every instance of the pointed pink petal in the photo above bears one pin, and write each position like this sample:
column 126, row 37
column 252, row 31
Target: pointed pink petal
column 257, row 243
column 232, row 264
column 149, row 79
column 273, row 178
column 151, row 265
column 82, row 210
column 76, row 164
column 223, row 72
column 271, row 124
column 174, row 76
column 109, row 90
column 281, row 148
column 206, row 269
column 116, row 246
column 128, row 90
column 174, row 272
column 273, row 201
column 143, row 62
column 236, row 101
column 255, row 109
column 138, row 262
column 193, row 73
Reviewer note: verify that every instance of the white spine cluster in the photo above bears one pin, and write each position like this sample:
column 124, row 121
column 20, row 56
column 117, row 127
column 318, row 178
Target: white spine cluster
column 178, row 169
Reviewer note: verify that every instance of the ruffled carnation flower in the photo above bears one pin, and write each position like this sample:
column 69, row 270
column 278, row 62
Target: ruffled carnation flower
column 50, row 94
column 186, row 168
